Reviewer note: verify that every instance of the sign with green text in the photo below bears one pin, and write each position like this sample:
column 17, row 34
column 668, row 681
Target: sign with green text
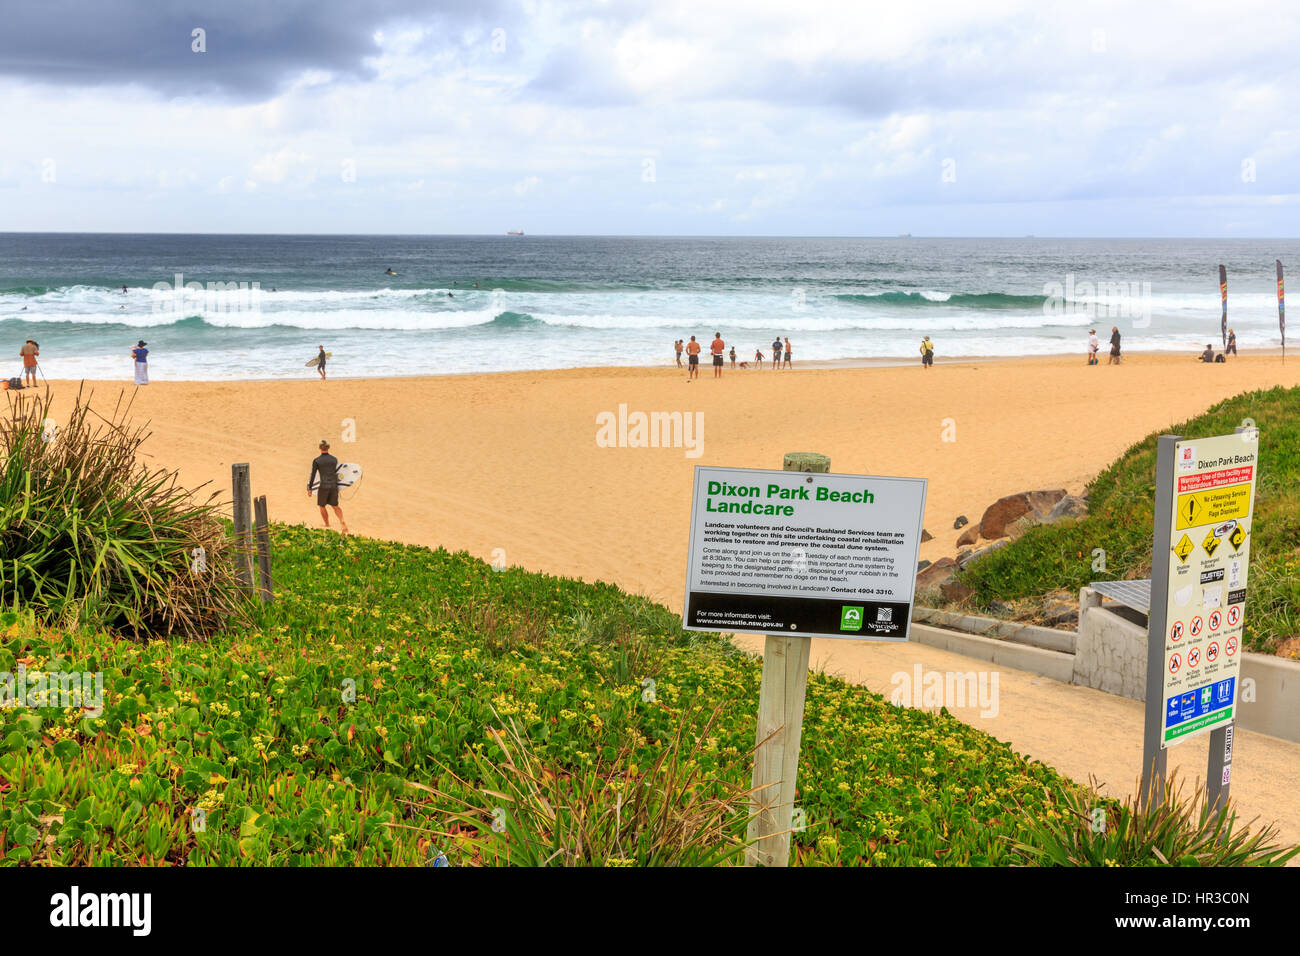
column 805, row 554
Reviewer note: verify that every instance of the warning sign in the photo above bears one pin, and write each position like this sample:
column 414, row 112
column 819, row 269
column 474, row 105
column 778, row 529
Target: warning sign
column 1209, row 533
column 1214, row 506
column 1237, row 538
column 1210, row 544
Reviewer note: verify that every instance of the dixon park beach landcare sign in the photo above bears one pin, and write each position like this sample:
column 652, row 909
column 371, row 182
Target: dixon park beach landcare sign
column 1213, row 498
column 797, row 553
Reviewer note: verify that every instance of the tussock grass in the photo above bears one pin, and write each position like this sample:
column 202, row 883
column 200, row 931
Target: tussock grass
column 90, row 535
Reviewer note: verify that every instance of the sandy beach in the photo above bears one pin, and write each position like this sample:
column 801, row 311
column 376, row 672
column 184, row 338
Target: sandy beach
column 510, row 461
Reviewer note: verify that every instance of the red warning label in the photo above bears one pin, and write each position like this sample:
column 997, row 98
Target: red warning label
column 1215, row 479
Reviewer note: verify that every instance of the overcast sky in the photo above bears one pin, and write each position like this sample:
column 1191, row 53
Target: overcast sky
column 671, row 117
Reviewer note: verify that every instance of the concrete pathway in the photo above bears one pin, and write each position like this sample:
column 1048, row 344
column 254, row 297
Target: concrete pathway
column 1079, row 731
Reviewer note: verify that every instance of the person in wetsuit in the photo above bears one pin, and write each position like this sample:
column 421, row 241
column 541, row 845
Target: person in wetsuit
column 327, row 493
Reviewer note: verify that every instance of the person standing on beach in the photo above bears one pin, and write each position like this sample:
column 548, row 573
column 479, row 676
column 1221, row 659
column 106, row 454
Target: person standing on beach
column 29, row 351
column 677, row 347
column 320, row 362
column 692, row 359
column 776, row 352
column 787, row 352
column 1114, row 346
column 1093, row 345
column 327, row 492
column 927, row 352
column 1231, row 348
column 717, row 347
column 758, row 357
column 733, row 358
column 141, row 356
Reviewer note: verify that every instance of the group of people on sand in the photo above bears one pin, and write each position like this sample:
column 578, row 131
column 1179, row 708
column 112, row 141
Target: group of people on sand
column 1229, row 349
column 1094, row 346
column 31, row 350
column 720, row 353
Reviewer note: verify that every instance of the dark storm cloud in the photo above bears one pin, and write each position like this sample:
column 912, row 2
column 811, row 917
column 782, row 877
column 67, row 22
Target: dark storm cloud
column 253, row 46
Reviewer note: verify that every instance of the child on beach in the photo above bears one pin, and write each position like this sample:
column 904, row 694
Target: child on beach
column 677, row 347
column 1231, row 348
column 787, row 352
column 29, row 351
column 327, row 493
column 692, row 359
column 140, row 355
column 733, row 356
column 758, row 357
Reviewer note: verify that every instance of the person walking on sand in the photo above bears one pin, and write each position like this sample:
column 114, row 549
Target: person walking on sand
column 326, row 466
column 320, row 362
column 141, row 356
column 692, row 359
column 927, row 353
column 1114, row 346
column 1231, row 347
column 776, row 353
column 1093, row 345
column 29, row 351
column 733, row 357
column 758, row 357
column 677, row 347
column 787, row 352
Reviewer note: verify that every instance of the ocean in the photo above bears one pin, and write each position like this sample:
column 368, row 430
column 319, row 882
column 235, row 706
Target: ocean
column 264, row 303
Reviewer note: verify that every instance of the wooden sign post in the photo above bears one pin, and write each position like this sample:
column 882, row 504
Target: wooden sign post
column 262, row 531
column 780, row 725
column 243, row 519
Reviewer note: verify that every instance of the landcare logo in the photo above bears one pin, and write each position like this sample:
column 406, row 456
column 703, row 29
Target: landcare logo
column 850, row 617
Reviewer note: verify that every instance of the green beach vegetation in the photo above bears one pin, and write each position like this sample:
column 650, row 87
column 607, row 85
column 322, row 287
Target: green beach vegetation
column 394, row 703
column 1120, row 502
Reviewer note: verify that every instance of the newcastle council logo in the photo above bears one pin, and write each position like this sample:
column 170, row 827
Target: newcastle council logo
column 850, row 618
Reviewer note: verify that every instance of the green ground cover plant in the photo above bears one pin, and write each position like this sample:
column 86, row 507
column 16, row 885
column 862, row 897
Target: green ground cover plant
column 395, row 703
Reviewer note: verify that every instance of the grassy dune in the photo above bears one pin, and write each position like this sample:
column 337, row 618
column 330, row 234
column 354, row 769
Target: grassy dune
column 1121, row 499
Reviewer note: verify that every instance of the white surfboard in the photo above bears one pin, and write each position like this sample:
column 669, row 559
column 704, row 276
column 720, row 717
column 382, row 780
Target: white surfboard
column 349, row 474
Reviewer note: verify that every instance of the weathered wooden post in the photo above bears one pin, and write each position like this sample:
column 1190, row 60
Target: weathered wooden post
column 263, row 535
column 241, row 495
column 780, row 725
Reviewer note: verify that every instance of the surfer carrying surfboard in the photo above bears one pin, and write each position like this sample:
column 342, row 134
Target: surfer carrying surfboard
column 320, row 362
column 326, row 466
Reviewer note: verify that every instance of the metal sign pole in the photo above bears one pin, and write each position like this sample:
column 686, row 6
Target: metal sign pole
column 1154, row 759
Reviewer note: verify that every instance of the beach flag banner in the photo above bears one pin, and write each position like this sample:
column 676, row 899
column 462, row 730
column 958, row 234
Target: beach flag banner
column 1281, row 309
column 1206, row 495
column 1223, row 299
column 805, row 555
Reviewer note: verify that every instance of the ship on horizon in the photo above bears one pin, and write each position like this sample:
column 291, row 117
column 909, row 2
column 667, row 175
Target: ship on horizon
column 515, row 232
